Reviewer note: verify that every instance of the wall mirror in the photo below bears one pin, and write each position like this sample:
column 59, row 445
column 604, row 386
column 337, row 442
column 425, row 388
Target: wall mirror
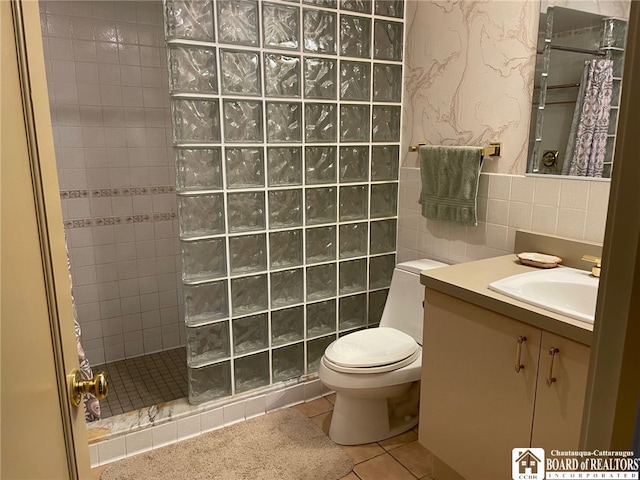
column 576, row 93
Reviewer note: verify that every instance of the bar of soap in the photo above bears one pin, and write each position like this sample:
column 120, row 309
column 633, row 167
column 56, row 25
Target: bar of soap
column 540, row 260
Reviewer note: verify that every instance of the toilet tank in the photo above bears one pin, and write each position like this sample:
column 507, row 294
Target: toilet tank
column 403, row 309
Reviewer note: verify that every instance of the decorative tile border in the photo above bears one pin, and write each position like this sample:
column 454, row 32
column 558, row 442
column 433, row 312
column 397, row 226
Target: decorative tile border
column 117, row 192
column 126, row 219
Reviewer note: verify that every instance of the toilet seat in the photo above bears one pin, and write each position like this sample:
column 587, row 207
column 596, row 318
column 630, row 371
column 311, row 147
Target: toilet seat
column 375, row 350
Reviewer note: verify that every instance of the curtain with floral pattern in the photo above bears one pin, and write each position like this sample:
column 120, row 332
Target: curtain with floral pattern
column 586, row 148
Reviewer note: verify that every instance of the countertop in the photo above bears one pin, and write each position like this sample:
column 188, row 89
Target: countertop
column 470, row 282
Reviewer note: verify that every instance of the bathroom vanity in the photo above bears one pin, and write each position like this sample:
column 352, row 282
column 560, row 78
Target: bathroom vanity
column 497, row 373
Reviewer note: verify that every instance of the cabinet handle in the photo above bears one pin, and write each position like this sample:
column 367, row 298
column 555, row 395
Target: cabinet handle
column 550, row 378
column 519, row 365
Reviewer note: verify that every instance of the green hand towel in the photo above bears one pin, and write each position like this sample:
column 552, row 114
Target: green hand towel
column 450, row 183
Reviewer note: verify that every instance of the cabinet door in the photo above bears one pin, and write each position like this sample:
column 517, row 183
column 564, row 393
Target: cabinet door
column 475, row 408
column 558, row 411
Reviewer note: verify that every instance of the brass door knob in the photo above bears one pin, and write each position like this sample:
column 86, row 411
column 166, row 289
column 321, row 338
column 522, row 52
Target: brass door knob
column 98, row 386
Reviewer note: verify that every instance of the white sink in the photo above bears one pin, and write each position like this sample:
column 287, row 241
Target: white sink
column 564, row 290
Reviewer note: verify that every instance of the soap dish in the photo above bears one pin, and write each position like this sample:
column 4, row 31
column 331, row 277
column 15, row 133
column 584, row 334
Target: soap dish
column 539, row 260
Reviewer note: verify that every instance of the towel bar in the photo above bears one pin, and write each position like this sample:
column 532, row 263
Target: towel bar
column 493, row 150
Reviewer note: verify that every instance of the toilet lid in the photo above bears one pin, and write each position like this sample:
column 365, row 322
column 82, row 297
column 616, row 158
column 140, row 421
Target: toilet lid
column 373, row 347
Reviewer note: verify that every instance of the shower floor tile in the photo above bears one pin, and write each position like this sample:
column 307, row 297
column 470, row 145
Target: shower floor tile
column 144, row 381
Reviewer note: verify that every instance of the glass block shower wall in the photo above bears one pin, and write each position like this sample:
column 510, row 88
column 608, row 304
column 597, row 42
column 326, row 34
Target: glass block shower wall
column 286, row 122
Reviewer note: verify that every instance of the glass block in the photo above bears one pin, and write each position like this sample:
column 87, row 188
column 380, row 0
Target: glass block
column 245, row 167
column 285, row 248
column 320, row 165
column 242, row 121
column 287, row 288
column 205, row 302
column 353, row 276
column 198, row 168
column 321, row 318
column 354, row 164
column 285, row 208
column 284, row 166
column 385, row 160
column 353, row 240
column 389, row 8
column 315, row 351
column 245, row 211
column 377, row 301
column 188, row 19
column 381, row 271
column 195, row 121
column 614, row 32
column 353, row 312
column 321, row 282
column 354, row 203
column 280, row 26
column 320, row 122
column 201, row 214
column 209, row 382
column 240, row 72
column 319, row 29
column 207, row 343
column 354, row 123
column 288, row 362
column 387, row 40
column 355, row 36
column 284, row 122
column 192, row 69
column 249, row 295
column 203, row 259
column 321, row 244
column 281, row 75
column 250, row 334
column 386, row 123
column 321, row 3
column 251, row 372
column 355, row 81
column 247, row 254
column 361, row 6
column 287, row 325
column 384, row 200
column 387, row 83
column 320, row 205
column 319, row 78
column 238, row 22
column 383, row 236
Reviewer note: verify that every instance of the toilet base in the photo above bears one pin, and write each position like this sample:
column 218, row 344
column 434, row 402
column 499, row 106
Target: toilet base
column 358, row 420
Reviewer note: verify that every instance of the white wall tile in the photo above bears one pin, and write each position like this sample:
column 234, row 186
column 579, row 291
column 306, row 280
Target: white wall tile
column 93, row 456
column 285, row 398
column 571, row 223
column 522, row 189
column 212, row 420
column 498, row 211
column 112, row 450
column 547, row 191
column 545, row 219
column 165, row 434
column 520, row 215
column 189, row 427
column 138, row 442
column 574, row 194
column 254, row 407
column 233, row 413
column 500, row 187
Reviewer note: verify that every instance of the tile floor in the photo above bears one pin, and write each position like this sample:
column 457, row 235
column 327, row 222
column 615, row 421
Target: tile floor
column 140, row 382
column 397, row 458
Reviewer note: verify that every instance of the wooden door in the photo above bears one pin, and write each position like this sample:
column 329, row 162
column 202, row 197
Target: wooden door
column 559, row 404
column 42, row 435
column 474, row 407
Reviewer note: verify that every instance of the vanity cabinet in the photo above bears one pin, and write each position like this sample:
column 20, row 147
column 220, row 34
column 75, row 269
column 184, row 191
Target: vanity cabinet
column 484, row 388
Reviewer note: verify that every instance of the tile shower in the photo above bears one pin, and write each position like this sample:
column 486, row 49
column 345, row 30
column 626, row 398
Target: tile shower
column 286, row 131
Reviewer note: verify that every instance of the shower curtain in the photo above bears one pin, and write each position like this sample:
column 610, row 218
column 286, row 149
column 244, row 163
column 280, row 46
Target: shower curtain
column 90, row 402
column 586, row 148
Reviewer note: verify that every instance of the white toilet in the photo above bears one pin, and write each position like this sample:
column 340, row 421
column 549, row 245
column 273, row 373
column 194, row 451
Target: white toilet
column 376, row 372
